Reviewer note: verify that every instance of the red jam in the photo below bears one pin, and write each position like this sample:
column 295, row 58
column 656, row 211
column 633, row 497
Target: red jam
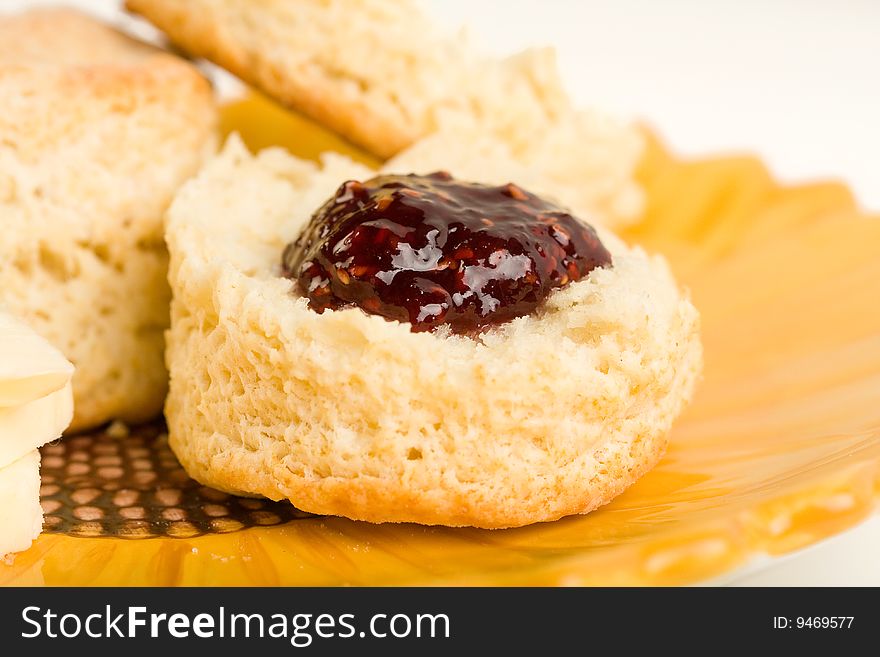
column 430, row 250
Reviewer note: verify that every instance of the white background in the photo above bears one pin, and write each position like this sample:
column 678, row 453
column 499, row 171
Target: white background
column 797, row 81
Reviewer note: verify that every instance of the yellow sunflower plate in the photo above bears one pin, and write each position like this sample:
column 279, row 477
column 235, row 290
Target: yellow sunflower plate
column 780, row 448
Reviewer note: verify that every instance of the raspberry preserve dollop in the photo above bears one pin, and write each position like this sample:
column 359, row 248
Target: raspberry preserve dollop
column 430, row 250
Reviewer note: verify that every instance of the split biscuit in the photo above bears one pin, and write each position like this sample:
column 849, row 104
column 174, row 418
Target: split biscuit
column 350, row 414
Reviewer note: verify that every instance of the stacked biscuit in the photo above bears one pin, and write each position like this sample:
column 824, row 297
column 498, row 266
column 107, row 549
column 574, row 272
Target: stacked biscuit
column 36, row 405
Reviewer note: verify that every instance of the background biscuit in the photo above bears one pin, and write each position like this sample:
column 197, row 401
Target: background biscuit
column 96, row 133
column 385, row 76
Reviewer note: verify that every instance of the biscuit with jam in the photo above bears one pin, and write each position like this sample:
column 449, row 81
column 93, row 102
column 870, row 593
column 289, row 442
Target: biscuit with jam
column 414, row 348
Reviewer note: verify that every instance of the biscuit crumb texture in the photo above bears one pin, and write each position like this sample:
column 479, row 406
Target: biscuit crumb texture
column 386, row 76
column 349, row 414
column 97, row 132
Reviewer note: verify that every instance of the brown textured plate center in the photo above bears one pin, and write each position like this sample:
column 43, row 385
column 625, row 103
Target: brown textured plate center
column 133, row 487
